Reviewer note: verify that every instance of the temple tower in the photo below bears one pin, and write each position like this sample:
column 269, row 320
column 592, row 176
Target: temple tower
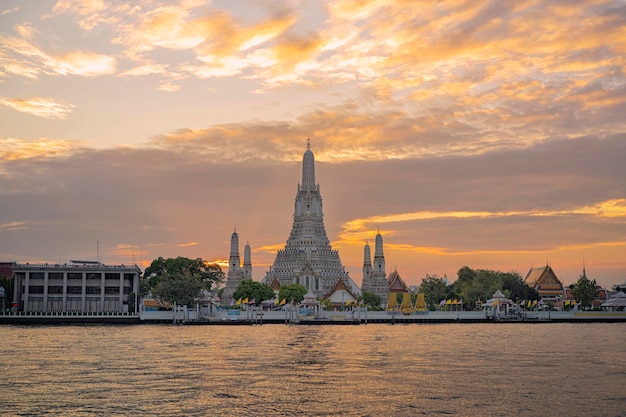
column 247, row 262
column 308, row 258
column 367, row 268
column 235, row 274
column 378, row 279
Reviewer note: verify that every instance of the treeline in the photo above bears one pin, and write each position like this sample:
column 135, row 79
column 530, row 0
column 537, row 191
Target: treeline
column 474, row 286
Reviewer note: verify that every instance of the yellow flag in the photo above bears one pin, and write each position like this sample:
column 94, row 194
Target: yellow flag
column 283, row 301
column 276, row 301
column 245, row 300
column 448, row 302
column 455, row 301
column 535, row 302
column 238, row 302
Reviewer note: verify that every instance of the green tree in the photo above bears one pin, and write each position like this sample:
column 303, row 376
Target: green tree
column 253, row 290
column 209, row 274
column 292, row 292
column 514, row 287
column 484, row 284
column 371, row 300
column 435, row 289
column 179, row 287
column 465, row 275
column 585, row 291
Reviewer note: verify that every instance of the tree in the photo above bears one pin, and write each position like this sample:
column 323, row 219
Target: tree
column 585, row 291
column 477, row 285
column 209, row 274
column 435, row 289
column 515, row 288
column 292, row 292
column 253, row 290
column 179, row 287
column 371, row 300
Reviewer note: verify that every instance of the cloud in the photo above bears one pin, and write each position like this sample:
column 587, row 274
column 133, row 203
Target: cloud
column 39, row 106
column 167, row 86
column 8, row 11
column 15, row 225
column 13, row 148
column 24, row 57
column 85, row 64
column 184, row 245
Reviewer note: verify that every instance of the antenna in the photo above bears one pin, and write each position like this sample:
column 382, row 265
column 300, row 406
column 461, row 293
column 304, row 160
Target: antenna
column 98, row 251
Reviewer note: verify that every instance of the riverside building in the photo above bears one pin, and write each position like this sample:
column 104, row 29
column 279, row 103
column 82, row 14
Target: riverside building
column 80, row 286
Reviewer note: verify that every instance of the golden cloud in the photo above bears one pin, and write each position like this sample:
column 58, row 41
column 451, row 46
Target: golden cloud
column 13, row 149
column 185, row 245
column 270, row 248
column 86, row 64
column 358, row 230
column 39, row 106
column 25, row 58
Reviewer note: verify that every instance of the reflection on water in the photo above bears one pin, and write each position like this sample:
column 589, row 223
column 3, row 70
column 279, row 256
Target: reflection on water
column 280, row 370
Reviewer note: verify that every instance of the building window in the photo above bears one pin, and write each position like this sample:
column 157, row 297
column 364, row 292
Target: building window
column 74, row 289
column 38, row 289
column 55, row 289
column 92, row 290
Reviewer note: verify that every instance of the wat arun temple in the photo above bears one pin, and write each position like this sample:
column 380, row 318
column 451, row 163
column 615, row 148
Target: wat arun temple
column 308, row 258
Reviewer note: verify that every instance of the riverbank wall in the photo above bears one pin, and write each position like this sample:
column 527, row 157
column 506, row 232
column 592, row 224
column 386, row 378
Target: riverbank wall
column 325, row 318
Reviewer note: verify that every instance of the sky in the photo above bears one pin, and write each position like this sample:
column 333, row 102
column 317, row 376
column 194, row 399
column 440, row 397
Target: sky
column 488, row 134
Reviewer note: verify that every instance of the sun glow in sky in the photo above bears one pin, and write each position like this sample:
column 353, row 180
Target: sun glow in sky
column 489, row 134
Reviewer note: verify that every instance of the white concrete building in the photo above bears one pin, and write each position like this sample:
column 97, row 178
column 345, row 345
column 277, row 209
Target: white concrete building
column 80, row 286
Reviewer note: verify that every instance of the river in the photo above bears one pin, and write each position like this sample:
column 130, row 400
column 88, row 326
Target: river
column 287, row 370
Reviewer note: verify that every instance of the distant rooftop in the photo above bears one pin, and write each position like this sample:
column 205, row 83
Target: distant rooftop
column 86, row 262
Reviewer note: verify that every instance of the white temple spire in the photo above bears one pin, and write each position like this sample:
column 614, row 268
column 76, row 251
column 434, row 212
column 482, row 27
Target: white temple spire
column 308, row 259
column 308, row 169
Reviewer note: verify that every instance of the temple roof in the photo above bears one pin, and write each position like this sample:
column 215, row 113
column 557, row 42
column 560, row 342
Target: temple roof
column 339, row 286
column 542, row 277
column 275, row 284
column 396, row 283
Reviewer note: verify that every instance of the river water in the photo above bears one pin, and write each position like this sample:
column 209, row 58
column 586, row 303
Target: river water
column 287, row 370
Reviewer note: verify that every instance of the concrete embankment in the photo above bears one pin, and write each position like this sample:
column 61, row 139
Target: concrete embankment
column 327, row 318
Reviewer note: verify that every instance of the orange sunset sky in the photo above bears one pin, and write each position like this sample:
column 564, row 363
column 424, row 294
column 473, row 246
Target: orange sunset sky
column 490, row 134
